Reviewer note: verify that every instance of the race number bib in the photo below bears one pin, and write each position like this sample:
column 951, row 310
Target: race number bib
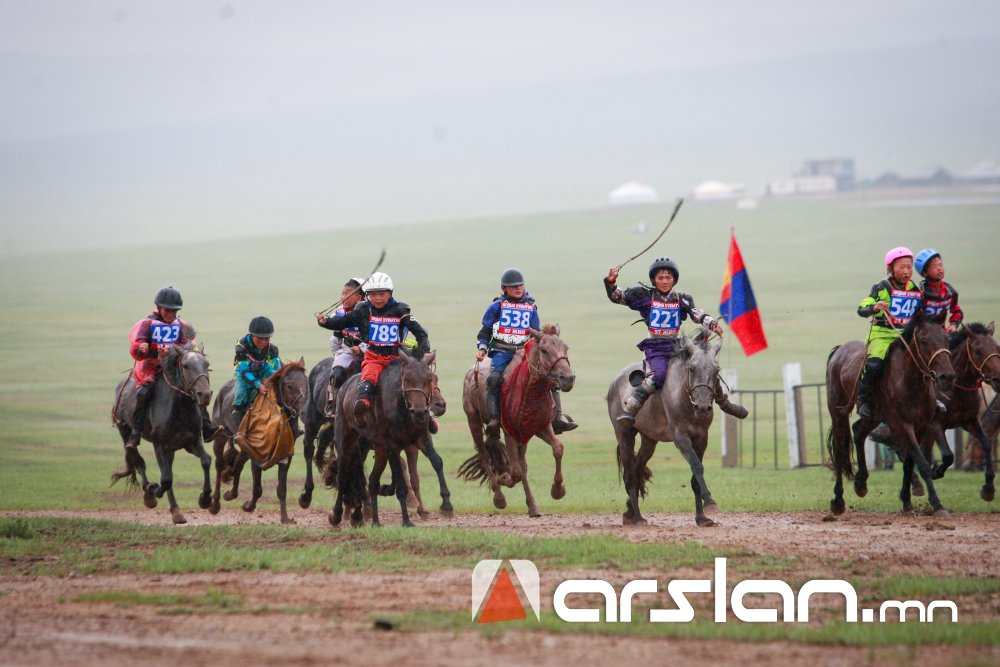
column 383, row 330
column 664, row 318
column 903, row 305
column 935, row 308
column 165, row 335
column 515, row 318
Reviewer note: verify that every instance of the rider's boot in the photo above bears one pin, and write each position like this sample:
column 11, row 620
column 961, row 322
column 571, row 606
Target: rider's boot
column 727, row 406
column 209, row 431
column 139, row 415
column 493, row 384
column 635, row 402
column 337, row 378
column 363, row 404
column 237, row 416
column 561, row 422
column 866, row 386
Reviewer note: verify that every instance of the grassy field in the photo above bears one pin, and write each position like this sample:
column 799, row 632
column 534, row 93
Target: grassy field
column 66, row 317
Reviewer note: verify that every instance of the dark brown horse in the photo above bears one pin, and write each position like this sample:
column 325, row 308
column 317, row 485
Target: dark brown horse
column 173, row 422
column 918, row 370
column 397, row 419
column 681, row 412
column 288, row 385
column 547, row 367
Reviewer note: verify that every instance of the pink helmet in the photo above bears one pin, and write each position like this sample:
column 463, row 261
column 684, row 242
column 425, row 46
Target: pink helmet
column 895, row 254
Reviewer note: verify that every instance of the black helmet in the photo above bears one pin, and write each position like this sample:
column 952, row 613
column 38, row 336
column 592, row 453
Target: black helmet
column 512, row 277
column 168, row 298
column 661, row 263
column 261, row 327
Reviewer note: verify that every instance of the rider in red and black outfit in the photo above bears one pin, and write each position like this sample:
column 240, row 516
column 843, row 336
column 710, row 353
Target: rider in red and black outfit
column 382, row 322
column 152, row 337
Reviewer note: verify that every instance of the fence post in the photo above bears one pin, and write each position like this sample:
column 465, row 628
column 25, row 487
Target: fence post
column 791, row 377
column 730, row 425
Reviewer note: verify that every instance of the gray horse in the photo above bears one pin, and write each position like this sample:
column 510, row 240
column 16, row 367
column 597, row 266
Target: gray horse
column 681, row 413
column 173, row 422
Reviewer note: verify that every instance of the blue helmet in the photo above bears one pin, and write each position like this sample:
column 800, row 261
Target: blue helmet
column 923, row 257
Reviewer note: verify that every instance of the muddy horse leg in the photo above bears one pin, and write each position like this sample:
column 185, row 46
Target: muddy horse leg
column 861, row 429
column 238, row 463
column 308, row 451
column 636, row 472
column 438, row 466
column 710, row 507
column 166, row 486
column 412, row 477
column 205, row 497
column 374, row 483
column 904, row 492
column 925, row 472
column 258, row 488
column 558, row 487
column 529, row 498
column 698, row 485
column 397, row 475
column 283, row 467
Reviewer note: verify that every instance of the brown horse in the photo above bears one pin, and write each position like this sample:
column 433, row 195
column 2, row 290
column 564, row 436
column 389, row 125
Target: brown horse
column 547, row 367
column 917, row 371
column 681, row 413
column 288, row 385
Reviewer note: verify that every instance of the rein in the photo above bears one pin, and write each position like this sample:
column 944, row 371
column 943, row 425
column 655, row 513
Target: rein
column 924, row 368
column 183, row 390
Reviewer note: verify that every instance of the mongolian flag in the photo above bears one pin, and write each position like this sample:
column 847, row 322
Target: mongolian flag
column 737, row 305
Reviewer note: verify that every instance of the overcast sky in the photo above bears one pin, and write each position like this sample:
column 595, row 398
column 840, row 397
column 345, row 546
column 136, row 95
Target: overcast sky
column 240, row 117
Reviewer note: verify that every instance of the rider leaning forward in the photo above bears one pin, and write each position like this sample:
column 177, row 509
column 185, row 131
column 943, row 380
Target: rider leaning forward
column 382, row 322
column 151, row 338
column 256, row 358
column 663, row 309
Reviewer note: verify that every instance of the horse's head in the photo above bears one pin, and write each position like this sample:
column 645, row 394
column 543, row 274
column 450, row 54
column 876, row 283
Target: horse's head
column 983, row 352
column 932, row 351
column 701, row 367
column 417, row 382
column 290, row 384
column 191, row 367
column 548, row 357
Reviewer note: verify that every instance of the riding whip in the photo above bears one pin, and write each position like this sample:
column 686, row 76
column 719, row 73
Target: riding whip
column 669, row 222
column 381, row 258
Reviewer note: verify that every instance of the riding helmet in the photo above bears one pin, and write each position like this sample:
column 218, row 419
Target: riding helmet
column 169, row 298
column 896, row 253
column 512, row 278
column 661, row 263
column 924, row 258
column 261, row 327
column 379, row 282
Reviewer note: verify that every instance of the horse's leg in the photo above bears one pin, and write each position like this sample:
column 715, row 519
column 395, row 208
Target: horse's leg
column 218, row 447
column 238, row 463
column 925, row 472
column 397, row 475
column 258, row 488
column 947, row 456
column 166, row 460
column 647, row 446
column 205, row 497
column 413, row 495
column 710, row 507
column 308, row 450
column 374, row 482
column 529, row 498
column 626, row 465
column 686, row 448
column 148, row 490
column 904, row 492
column 283, row 488
column 838, row 445
column 861, row 429
column 438, row 466
column 987, row 493
column 549, row 436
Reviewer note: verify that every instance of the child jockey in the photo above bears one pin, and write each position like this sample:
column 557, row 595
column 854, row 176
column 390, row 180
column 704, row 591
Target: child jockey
column 344, row 345
column 256, row 359
column 663, row 309
column 505, row 329
column 891, row 303
column 152, row 337
column 381, row 320
column 939, row 297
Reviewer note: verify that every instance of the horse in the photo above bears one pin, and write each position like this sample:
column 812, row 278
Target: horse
column 173, row 422
column 680, row 412
column 545, row 366
column 918, row 370
column 317, row 424
column 397, row 419
column 288, row 385
column 410, row 473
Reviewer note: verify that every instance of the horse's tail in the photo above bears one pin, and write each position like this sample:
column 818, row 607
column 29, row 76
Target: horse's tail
column 328, row 472
column 472, row 468
column 838, row 446
column 626, row 464
column 353, row 482
column 128, row 473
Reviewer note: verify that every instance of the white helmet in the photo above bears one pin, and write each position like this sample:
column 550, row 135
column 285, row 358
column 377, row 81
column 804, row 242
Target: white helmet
column 378, row 282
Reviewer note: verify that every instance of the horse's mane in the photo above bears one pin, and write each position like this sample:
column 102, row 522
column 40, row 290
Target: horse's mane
column 285, row 369
column 955, row 338
column 550, row 329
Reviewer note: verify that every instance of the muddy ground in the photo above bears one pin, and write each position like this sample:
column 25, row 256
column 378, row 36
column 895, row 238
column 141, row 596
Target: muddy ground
column 328, row 617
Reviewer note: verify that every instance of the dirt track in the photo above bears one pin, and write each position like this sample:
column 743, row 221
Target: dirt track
column 329, row 616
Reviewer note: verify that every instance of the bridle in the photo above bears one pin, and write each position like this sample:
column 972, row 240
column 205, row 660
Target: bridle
column 548, row 374
column 925, row 368
column 187, row 387
column 283, row 401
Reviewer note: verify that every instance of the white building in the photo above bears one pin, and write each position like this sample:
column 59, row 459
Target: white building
column 633, row 193
column 717, row 191
column 802, row 185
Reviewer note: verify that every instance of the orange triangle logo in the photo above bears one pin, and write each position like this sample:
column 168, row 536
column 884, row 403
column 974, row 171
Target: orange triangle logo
column 503, row 603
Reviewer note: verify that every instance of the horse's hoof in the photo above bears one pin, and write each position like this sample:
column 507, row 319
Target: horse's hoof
column 249, row 506
column 917, row 489
column 149, row 497
column 447, row 512
column 705, row 522
column 214, row 507
column 411, row 501
column 305, row 501
column 837, row 506
column 423, row 514
column 287, row 520
column 986, row 494
column 860, row 488
column 941, row 513
column 231, row 494
column 534, row 513
column 205, row 501
column 630, row 520
column 711, row 508
column 357, row 523
column 558, row 491
column 227, row 475
column 499, row 502
column 408, row 524
column 178, row 517
column 334, row 518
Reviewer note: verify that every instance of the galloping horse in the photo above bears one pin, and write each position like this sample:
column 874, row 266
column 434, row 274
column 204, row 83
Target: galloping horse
column 173, row 422
column 682, row 413
column 534, row 371
column 397, row 419
column 918, row 369
column 288, row 385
